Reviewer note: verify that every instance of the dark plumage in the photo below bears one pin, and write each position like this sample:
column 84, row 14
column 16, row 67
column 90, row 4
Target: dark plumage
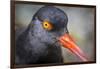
column 38, row 46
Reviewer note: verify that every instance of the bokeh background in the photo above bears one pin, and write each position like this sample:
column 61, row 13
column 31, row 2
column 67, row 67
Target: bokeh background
column 80, row 26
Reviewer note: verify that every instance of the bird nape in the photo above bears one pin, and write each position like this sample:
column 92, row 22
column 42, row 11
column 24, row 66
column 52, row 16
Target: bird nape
column 41, row 42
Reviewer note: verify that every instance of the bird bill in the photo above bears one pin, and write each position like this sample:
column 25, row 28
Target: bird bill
column 67, row 42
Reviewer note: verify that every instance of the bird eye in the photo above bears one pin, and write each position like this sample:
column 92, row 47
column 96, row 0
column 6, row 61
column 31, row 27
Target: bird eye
column 47, row 25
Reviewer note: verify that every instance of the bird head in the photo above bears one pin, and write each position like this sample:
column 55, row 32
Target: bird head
column 49, row 25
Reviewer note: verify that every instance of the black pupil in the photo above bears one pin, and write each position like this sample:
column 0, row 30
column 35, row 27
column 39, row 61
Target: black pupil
column 45, row 24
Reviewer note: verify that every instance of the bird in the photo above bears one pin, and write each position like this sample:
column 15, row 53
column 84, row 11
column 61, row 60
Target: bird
column 41, row 41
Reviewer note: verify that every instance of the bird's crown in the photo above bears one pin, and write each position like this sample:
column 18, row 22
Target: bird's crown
column 52, row 14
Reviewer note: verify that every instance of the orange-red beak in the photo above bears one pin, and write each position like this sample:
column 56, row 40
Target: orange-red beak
column 67, row 41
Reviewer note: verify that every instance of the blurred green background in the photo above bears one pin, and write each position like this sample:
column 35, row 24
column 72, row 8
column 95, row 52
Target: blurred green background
column 80, row 26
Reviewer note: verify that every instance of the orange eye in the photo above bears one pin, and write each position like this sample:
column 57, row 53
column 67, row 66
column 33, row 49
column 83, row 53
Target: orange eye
column 47, row 25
